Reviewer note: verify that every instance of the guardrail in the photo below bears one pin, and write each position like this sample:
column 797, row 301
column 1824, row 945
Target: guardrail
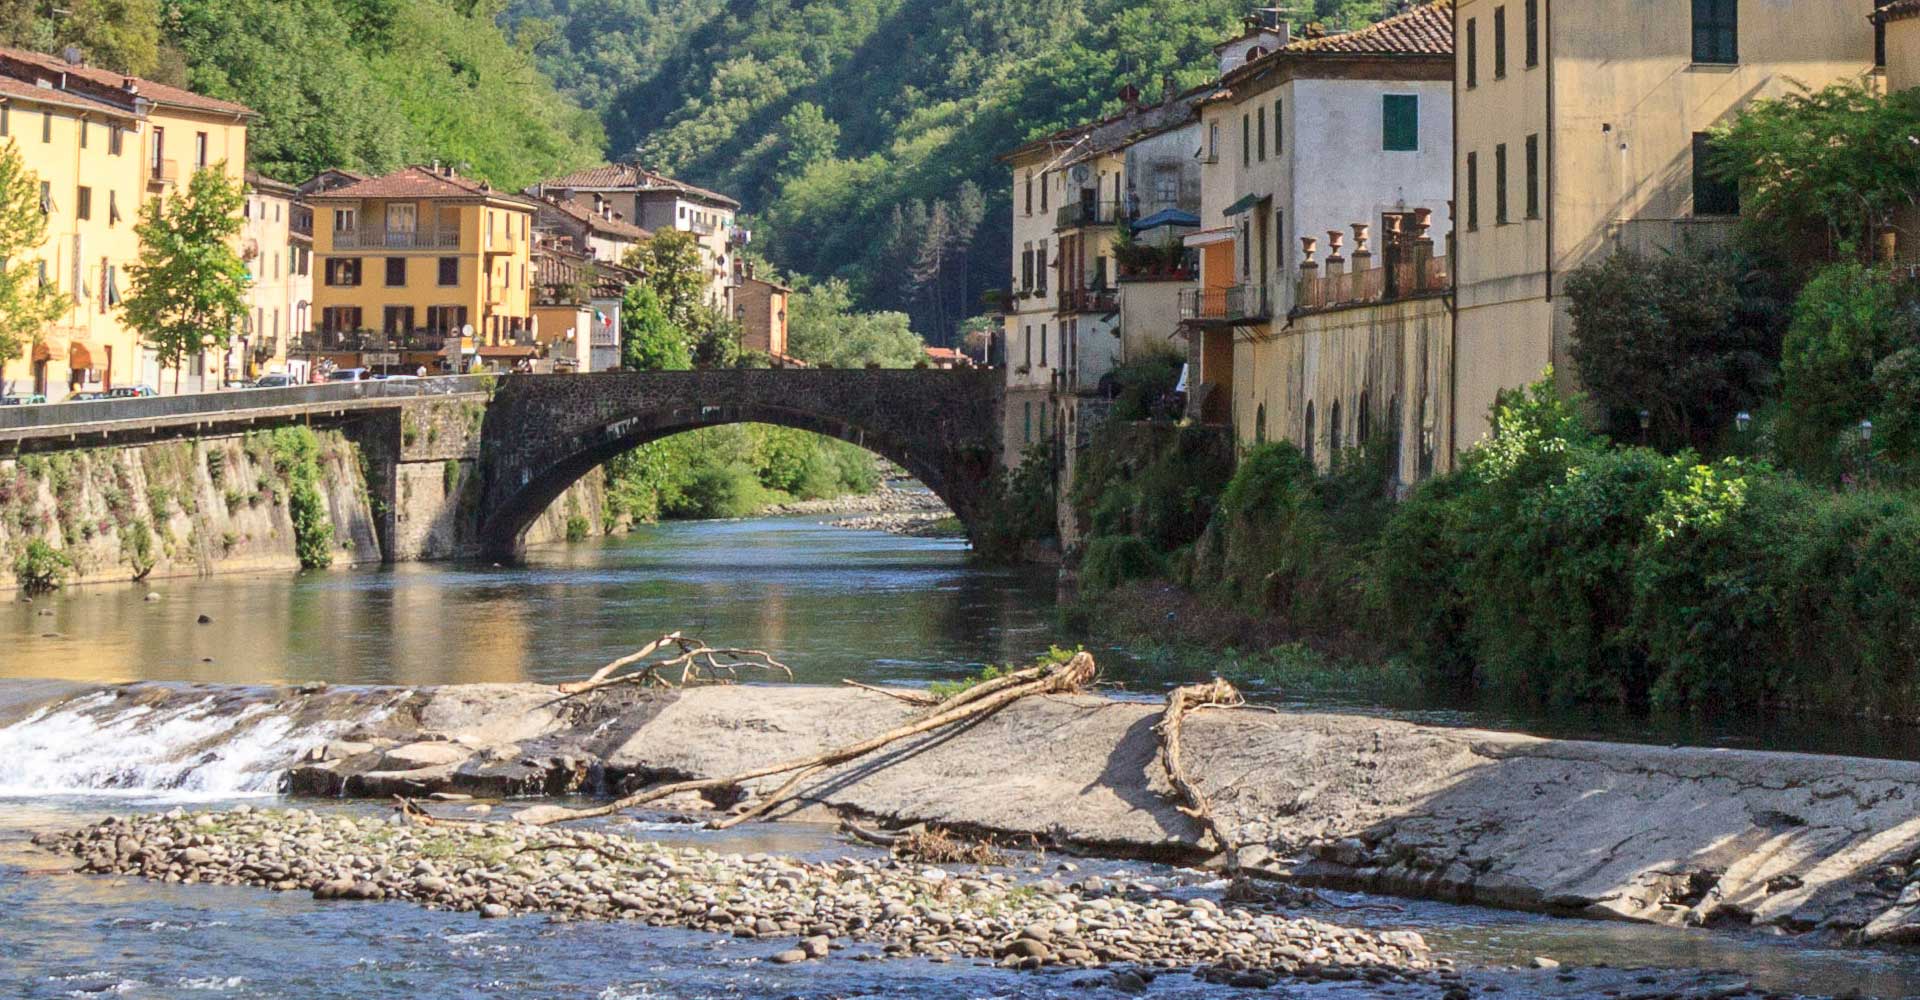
column 233, row 402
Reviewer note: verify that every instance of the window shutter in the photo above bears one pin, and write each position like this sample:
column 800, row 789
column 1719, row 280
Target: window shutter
column 1400, row 122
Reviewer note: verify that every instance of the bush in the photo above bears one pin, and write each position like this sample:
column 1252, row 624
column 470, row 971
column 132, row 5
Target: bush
column 1157, row 482
column 1850, row 324
column 1112, row 560
column 578, row 528
column 1021, row 507
column 296, row 460
column 40, row 568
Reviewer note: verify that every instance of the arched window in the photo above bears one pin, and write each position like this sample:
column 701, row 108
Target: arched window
column 1366, row 424
column 1306, row 440
column 1260, row 425
column 1426, row 436
column 1334, row 444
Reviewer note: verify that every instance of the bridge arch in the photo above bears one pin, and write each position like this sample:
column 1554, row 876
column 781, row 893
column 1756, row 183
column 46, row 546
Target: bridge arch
column 542, row 433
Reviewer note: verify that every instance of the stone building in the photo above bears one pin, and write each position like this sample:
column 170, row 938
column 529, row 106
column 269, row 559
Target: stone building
column 760, row 306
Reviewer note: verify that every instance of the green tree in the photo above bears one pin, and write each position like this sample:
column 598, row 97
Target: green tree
column 121, row 34
column 824, row 329
column 1853, row 337
column 669, row 263
column 27, row 304
column 1834, row 163
column 189, row 283
column 1667, row 333
column 648, row 339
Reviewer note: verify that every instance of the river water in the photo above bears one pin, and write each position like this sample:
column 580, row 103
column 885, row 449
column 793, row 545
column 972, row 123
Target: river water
column 831, row 603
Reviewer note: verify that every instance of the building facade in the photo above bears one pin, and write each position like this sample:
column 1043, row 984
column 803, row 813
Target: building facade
column 421, row 268
column 656, row 203
column 760, row 306
column 1300, row 144
column 280, row 263
column 1577, row 138
column 101, row 144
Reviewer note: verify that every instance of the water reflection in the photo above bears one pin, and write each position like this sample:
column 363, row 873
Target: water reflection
column 832, row 603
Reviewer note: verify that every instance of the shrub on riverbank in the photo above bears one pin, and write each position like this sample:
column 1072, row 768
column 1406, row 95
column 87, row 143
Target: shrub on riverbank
column 1558, row 568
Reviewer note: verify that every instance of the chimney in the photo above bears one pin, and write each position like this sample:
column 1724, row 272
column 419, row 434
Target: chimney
column 1130, row 96
column 1167, row 91
column 72, row 55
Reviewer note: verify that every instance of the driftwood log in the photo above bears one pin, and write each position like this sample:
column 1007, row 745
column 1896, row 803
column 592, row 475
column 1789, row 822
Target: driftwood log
column 980, row 700
column 1182, row 702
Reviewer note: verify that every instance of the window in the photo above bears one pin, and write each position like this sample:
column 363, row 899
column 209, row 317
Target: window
column 1306, row 439
column 1712, row 194
column 1334, row 431
column 343, row 220
column 1533, row 33
column 1279, row 133
column 1043, row 349
column 1261, row 134
column 343, row 272
column 1260, row 424
column 1533, row 177
column 334, row 319
column 46, row 126
column 1400, row 122
column 403, row 219
column 1029, row 193
column 1500, row 184
column 116, row 139
column 113, row 207
column 1716, row 31
column 200, row 151
column 6, row 120
column 449, row 271
column 1026, row 412
column 1026, row 346
column 83, row 203
column 1499, row 42
column 46, row 197
column 1213, row 142
column 446, row 319
column 1473, row 191
column 396, row 272
column 396, row 320
column 1280, row 239
column 1246, row 140
column 1040, row 268
column 159, row 150
column 1473, row 52
column 1043, row 197
column 83, row 132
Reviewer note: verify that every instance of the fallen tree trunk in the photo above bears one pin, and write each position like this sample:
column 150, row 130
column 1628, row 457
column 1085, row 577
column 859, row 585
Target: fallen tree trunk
column 979, row 701
column 1217, row 694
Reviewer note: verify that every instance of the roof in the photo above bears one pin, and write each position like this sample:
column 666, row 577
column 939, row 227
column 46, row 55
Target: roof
column 158, row 93
column 421, row 182
column 267, row 185
column 630, row 176
column 1167, row 217
column 620, row 228
column 21, row 89
column 1426, row 30
column 1898, row 10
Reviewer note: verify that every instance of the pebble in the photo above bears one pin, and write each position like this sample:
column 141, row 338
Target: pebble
column 940, row 914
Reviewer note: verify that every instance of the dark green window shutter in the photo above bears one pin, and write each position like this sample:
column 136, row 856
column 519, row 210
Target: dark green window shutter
column 1400, row 117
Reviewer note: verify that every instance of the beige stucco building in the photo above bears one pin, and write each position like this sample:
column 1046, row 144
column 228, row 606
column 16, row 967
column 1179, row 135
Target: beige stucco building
column 1581, row 125
column 101, row 143
column 280, row 261
column 655, row 202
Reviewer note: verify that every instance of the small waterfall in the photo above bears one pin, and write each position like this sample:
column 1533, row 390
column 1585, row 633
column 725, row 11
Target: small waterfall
column 182, row 748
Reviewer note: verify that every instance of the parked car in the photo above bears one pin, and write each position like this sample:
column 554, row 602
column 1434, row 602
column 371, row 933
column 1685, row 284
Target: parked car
column 85, row 397
column 23, row 399
column 350, row 375
column 278, row 380
column 131, row 392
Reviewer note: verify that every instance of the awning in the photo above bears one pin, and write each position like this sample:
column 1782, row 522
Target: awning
column 509, row 351
column 1208, row 237
column 1245, row 203
column 1167, row 217
column 78, row 356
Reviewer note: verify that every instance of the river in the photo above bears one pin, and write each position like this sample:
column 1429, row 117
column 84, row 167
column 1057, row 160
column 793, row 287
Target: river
column 831, row 603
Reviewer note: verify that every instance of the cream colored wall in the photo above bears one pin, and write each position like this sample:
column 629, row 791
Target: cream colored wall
column 1150, row 319
column 1029, row 312
column 1617, row 158
column 1903, row 53
column 1395, row 356
column 113, row 180
column 276, row 290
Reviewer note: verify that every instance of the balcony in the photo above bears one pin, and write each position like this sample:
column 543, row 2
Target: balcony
column 430, row 238
column 702, row 228
column 507, row 245
column 345, row 341
column 1246, row 303
column 1409, row 273
column 1089, row 300
column 1085, row 213
column 163, row 172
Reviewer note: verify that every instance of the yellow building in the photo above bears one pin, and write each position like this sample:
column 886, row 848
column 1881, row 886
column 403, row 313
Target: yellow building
column 1581, row 126
column 101, row 143
column 406, row 263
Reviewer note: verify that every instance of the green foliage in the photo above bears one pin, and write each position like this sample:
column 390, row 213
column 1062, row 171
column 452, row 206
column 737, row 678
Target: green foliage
column 1832, row 164
column 1111, row 560
column 823, row 328
column 1668, row 334
column 1851, row 353
column 1021, row 508
column 373, row 85
column 189, row 283
column 124, row 34
column 578, row 528
column 947, row 689
column 648, row 339
column 40, row 568
column 295, row 452
column 27, row 307
column 1155, row 481
column 732, row 471
column 1271, row 547
column 1139, row 385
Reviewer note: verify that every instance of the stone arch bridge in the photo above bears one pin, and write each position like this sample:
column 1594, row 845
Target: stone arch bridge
column 542, row 433
column 464, row 465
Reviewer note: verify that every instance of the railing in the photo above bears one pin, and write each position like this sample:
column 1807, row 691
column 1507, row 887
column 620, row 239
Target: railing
column 1089, row 300
column 164, row 172
column 1074, row 215
column 1238, row 303
column 1403, row 275
column 343, row 341
column 234, row 403
column 703, row 228
column 431, row 238
column 504, row 244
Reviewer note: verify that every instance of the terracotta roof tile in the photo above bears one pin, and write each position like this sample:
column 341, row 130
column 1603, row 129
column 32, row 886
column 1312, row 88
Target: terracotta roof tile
column 420, row 182
column 1423, row 31
column 159, row 93
column 1898, row 10
column 632, row 175
column 27, row 90
column 620, row 228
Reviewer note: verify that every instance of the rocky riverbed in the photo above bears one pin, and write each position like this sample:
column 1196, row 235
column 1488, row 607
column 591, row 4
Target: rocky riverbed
column 873, row 908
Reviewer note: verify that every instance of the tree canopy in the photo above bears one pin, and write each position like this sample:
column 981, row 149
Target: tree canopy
column 27, row 304
column 189, row 283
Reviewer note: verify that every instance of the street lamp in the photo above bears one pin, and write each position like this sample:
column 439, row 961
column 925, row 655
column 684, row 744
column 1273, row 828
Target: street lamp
column 1866, row 432
column 1646, row 420
column 1742, row 421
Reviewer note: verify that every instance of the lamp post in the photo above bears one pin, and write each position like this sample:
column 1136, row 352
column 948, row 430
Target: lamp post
column 1646, row 424
column 1742, row 421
